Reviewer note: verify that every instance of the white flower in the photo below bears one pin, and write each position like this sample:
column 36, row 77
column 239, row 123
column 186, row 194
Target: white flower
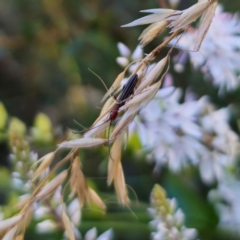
column 33, row 156
column 226, row 197
column 57, row 196
column 76, row 232
column 127, row 57
column 189, row 233
column 74, row 210
column 123, row 50
column 179, row 217
column 17, row 182
column 212, row 166
column 40, row 212
column 46, row 226
column 91, row 234
column 224, row 144
column 108, row 235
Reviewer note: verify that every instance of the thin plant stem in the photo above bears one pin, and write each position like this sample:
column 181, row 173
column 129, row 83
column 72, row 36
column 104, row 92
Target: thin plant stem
column 158, row 49
column 55, row 214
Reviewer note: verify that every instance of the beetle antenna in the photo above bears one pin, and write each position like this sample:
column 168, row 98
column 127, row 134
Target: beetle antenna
column 98, row 78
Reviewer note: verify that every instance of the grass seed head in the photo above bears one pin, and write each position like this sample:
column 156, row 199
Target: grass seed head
column 93, row 198
column 205, row 24
column 189, row 15
column 10, row 234
column 83, row 143
column 125, row 120
column 114, row 159
column 152, row 75
column 77, row 181
column 10, row 222
column 98, row 127
column 120, row 186
column 45, row 163
column 151, row 32
column 28, row 212
column 50, row 187
column 157, row 15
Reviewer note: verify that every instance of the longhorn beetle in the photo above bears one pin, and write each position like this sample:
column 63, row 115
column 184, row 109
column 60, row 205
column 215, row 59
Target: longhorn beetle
column 126, row 92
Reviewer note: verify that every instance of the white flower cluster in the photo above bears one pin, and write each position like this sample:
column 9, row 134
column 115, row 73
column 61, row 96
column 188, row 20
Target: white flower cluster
column 168, row 219
column 192, row 133
column 188, row 133
column 22, row 172
column 219, row 55
column 127, row 57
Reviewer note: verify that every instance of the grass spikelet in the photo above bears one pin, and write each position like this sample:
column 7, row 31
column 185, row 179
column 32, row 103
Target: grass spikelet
column 10, row 234
column 93, row 198
column 114, row 159
column 125, row 121
column 151, row 32
column 141, row 70
column 10, row 222
column 190, row 15
column 67, row 223
column 23, row 202
column 50, row 187
column 120, row 186
column 42, row 159
column 47, row 160
column 153, row 74
column 77, row 181
column 140, row 98
column 205, row 24
column 144, row 97
column 27, row 211
column 99, row 126
column 157, row 16
column 108, row 106
column 83, row 143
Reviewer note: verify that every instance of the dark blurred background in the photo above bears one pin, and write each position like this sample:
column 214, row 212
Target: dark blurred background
column 46, row 48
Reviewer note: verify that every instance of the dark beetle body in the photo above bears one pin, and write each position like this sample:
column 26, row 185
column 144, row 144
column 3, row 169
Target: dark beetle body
column 127, row 91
